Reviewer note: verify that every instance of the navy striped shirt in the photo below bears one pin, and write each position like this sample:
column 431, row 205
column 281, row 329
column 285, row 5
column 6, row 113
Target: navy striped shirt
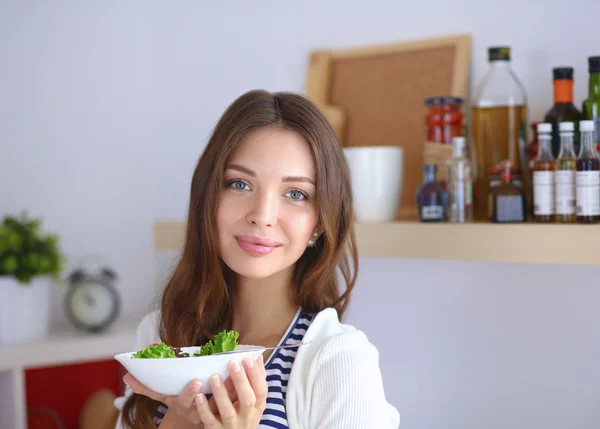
column 279, row 367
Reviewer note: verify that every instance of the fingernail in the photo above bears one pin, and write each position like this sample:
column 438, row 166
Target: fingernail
column 216, row 381
column 235, row 366
column 197, row 386
column 249, row 362
column 200, row 399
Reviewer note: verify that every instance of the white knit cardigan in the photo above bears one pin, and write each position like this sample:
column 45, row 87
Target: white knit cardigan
column 335, row 381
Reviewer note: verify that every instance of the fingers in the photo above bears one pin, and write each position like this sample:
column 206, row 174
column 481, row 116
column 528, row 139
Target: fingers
column 220, row 404
column 233, row 396
column 186, row 398
column 257, row 380
column 246, row 396
column 224, row 404
column 206, row 415
column 140, row 389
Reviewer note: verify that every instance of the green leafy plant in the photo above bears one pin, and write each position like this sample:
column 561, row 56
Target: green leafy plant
column 26, row 252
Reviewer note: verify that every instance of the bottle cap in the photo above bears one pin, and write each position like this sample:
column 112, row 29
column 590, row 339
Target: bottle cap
column 433, row 100
column 566, row 126
column 458, row 144
column 452, row 100
column 594, row 64
column 562, row 73
column 586, row 125
column 544, row 127
column 499, row 53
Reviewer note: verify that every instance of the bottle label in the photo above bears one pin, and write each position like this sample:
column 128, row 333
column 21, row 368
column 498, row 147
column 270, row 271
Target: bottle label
column 432, row 212
column 468, row 186
column 543, row 193
column 588, row 193
column 565, row 192
column 509, row 208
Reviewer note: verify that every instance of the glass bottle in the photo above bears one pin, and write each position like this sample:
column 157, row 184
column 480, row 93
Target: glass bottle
column 460, row 184
column 543, row 176
column 532, row 152
column 564, row 176
column 431, row 197
column 498, row 121
column 591, row 106
column 532, row 148
column 587, row 178
column 508, row 200
column 563, row 109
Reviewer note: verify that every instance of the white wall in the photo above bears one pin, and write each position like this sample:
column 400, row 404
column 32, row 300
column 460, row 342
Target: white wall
column 105, row 107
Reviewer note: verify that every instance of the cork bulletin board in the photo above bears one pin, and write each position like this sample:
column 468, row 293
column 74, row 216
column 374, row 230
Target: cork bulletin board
column 374, row 95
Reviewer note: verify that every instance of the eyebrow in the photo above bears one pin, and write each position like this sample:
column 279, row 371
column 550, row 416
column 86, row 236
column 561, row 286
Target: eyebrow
column 249, row 172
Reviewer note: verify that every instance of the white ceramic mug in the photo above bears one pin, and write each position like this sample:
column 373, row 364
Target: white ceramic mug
column 377, row 177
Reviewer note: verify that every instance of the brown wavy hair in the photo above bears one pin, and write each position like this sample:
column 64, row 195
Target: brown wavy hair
column 196, row 301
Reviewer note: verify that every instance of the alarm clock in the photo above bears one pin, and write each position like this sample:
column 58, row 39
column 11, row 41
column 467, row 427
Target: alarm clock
column 92, row 302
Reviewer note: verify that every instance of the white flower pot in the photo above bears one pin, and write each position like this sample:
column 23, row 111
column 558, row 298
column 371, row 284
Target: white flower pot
column 24, row 310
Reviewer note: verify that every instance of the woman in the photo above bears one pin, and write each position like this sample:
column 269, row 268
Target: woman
column 270, row 223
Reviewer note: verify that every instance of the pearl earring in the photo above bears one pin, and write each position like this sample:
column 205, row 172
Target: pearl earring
column 311, row 243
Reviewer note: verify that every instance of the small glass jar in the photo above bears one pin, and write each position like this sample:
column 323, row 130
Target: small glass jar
column 444, row 119
column 452, row 118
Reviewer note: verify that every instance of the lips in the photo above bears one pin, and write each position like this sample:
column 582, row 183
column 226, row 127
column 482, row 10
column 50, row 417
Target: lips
column 256, row 245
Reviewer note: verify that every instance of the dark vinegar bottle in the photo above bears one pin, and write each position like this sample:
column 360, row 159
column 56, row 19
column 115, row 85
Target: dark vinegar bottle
column 587, row 178
column 431, row 197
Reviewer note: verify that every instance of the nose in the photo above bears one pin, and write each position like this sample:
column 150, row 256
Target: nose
column 264, row 209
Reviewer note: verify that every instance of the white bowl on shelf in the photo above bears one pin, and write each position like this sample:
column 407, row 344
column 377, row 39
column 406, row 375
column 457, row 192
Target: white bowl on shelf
column 170, row 376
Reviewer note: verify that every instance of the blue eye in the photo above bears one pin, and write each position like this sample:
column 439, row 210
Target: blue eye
column 297, row 195
column 238, row 184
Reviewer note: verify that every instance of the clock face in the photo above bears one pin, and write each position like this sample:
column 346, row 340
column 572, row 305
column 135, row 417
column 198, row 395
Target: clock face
column 92, row 304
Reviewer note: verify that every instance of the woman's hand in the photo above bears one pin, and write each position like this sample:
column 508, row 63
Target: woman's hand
column 250, row 383
column 183, row 406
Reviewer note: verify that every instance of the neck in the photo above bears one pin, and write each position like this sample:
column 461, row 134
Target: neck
column 588, row 146
column 500, row 64
column 429, row 178
column 545, row 147
column 563, row 91
column 566, row 143
column 594, row 85
column 263, row 308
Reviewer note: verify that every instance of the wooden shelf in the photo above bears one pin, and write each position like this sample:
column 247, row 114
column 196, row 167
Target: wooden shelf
column 67, row 345
column 63, row 345
column 522, row 243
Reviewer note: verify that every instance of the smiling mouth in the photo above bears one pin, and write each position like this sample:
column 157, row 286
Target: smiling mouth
column 256, row 245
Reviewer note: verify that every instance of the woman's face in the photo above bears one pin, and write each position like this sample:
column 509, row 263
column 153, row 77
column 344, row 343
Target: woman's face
column 267, row 209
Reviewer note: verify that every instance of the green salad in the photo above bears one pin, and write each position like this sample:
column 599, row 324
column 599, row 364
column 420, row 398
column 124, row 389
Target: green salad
column 224, row 341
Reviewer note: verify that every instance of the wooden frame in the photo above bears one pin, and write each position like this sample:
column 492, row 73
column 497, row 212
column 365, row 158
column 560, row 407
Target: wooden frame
column 352, row 127
column 461, row 42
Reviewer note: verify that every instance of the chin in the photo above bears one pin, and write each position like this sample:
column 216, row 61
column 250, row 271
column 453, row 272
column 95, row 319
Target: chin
column 256, row 267
column 251, row 269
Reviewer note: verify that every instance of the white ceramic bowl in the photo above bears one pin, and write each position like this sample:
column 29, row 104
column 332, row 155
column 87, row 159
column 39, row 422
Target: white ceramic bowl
column 169, row 376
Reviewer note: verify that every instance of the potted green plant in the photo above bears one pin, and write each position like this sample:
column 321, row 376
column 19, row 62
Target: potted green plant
column 29, row 261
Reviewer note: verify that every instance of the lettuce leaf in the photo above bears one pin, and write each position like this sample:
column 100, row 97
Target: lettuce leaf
column 224, row 341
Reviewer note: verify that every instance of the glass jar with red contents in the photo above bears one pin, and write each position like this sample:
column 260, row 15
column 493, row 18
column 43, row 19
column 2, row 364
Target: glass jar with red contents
column 433, row 120
column 444, row 119
column 452, row 118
